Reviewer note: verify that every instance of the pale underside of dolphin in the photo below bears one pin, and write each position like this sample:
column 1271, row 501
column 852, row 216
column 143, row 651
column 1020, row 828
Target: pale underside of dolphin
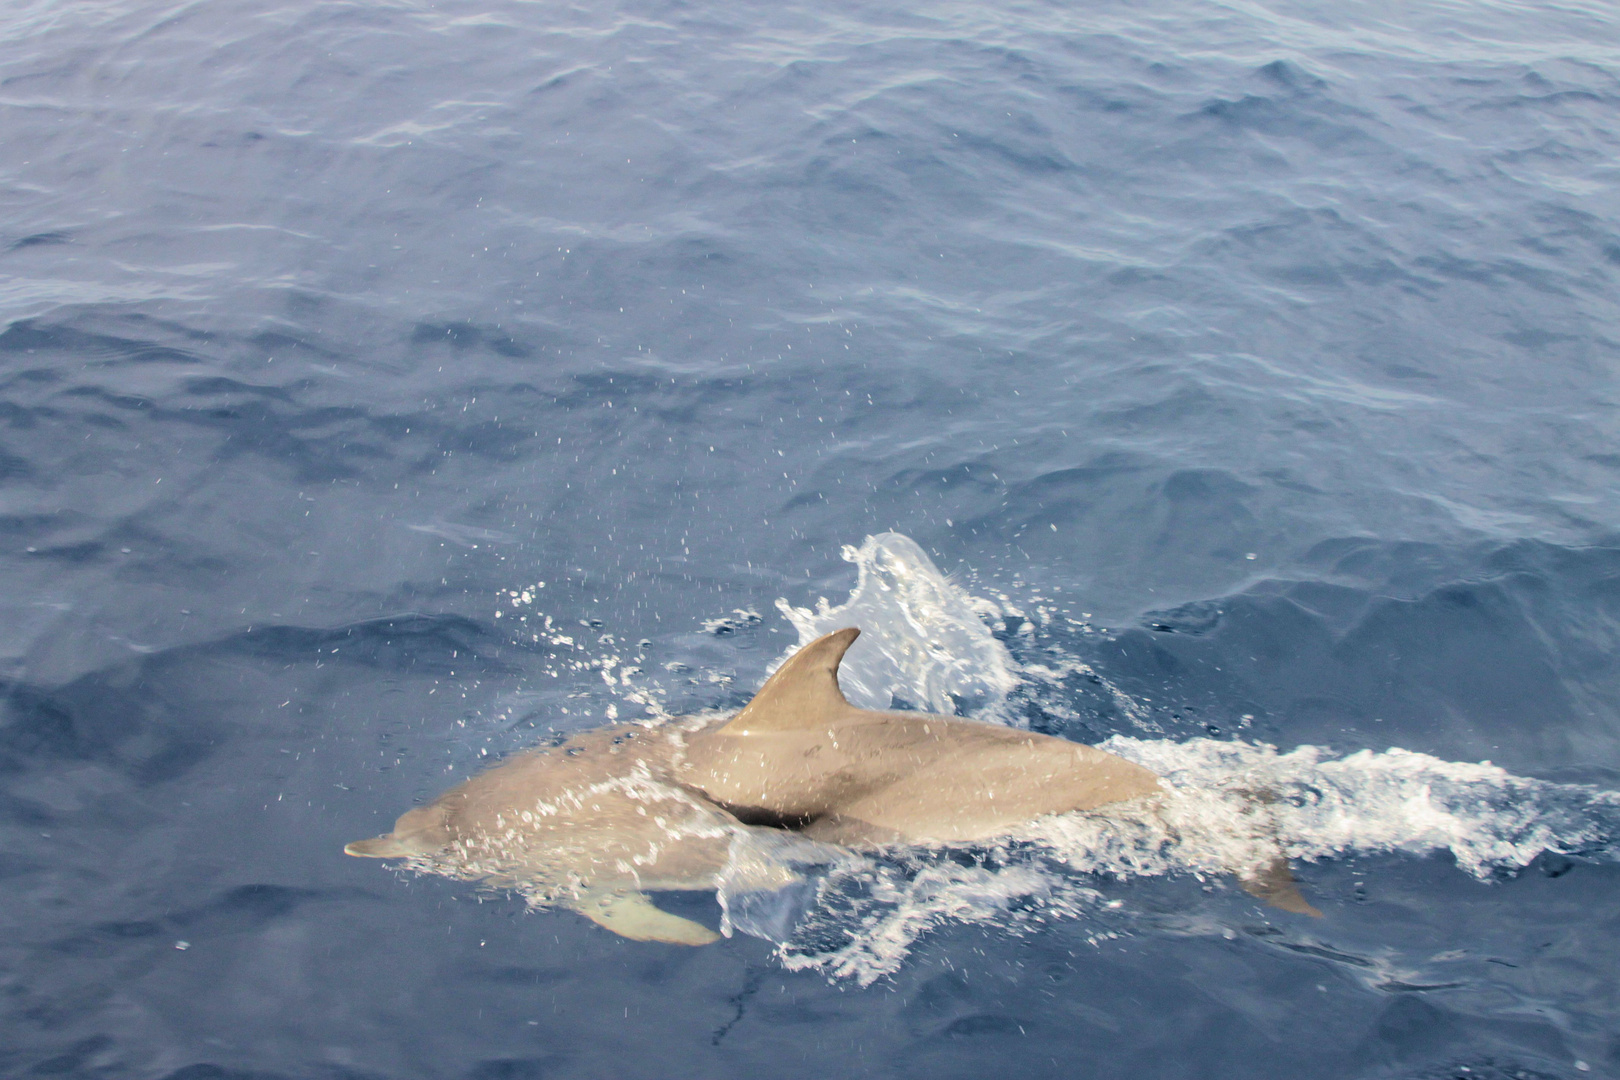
column 596, row 822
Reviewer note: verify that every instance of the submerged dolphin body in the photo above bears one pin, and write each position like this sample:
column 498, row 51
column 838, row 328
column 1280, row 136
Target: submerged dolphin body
column 593, row 822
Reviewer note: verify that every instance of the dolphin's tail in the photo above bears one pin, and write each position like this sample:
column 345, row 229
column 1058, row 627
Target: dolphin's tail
column 1274, row 883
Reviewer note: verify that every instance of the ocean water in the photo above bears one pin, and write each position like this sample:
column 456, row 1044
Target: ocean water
column 388, row 386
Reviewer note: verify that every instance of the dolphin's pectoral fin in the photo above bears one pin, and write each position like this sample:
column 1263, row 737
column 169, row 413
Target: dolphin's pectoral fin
column 630, row 914
column 378, row 847
column 1274, row 883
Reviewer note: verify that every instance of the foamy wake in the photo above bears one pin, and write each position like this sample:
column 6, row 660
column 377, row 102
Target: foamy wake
column 1229, row 807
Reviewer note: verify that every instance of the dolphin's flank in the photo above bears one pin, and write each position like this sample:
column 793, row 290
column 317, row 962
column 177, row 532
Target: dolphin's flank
column 619, row 810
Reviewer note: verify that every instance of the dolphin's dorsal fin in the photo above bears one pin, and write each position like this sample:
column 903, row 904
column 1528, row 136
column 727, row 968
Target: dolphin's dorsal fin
column 804, row 691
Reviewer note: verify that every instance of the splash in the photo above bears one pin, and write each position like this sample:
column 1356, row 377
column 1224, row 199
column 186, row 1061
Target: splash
column 573, row 652
column 1318, row 805
column 1229, row 807
column 923, row 641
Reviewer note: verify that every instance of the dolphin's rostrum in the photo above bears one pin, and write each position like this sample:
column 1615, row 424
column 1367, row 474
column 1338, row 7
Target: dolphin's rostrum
column 594, row 823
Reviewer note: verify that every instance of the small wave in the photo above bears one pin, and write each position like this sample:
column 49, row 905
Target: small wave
column 467, row 536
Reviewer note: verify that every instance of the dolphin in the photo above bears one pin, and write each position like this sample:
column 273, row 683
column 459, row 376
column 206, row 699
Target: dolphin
column 588, row 825
column 610, row 813
column 801, row 756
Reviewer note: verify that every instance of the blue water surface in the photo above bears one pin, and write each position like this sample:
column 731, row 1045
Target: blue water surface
column 1279, row 339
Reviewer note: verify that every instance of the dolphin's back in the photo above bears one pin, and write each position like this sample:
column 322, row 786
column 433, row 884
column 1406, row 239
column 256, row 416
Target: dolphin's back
column 801, row 752
column 983, row 780
column 620, row 809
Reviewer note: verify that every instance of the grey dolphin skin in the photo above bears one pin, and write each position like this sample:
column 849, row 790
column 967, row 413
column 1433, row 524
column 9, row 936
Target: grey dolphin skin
column 587, row 825
column 594, row 823
column 799, row 754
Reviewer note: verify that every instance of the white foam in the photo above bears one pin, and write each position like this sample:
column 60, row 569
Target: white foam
column 922, row 639
column 1229, row 807
column 1319, row 805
